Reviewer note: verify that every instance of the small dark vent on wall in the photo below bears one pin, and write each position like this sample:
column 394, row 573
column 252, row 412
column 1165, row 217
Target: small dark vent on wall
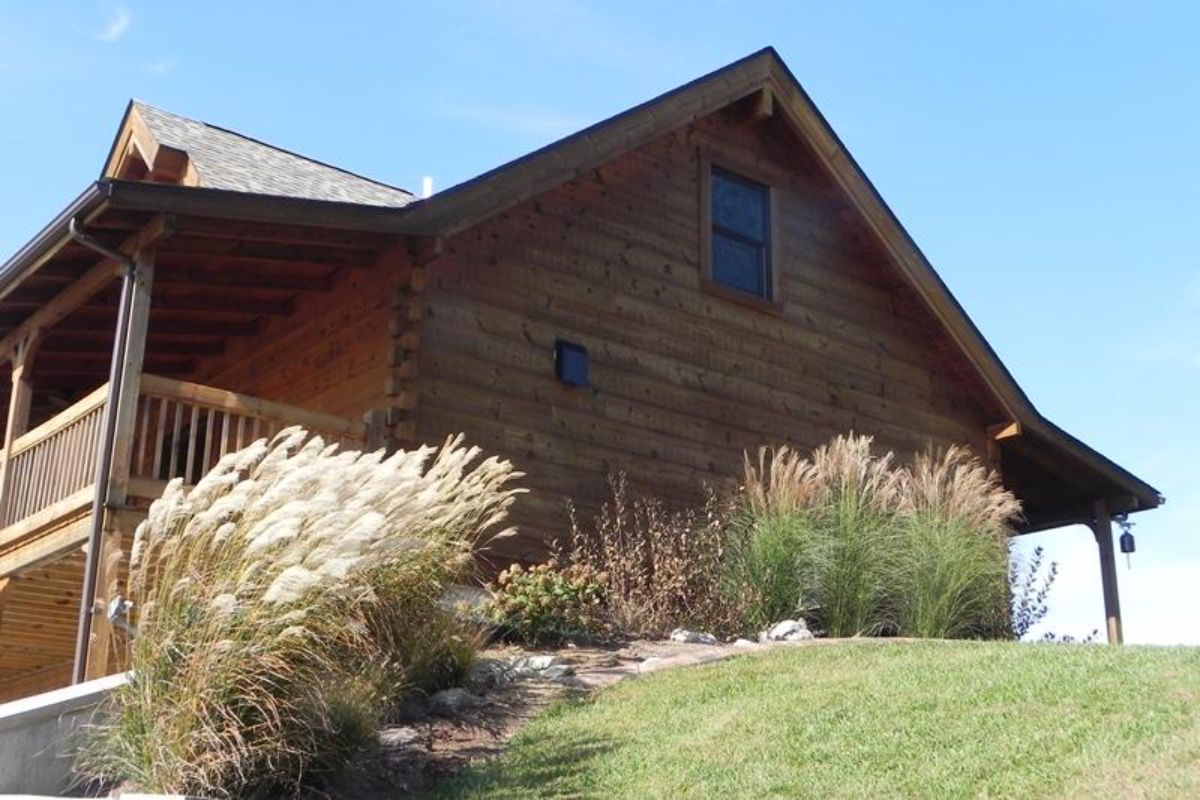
column 570, row 363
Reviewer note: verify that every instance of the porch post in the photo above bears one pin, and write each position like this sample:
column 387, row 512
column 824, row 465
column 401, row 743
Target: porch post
column 115, row 454
column 19, row 402
column 1102, row 530
column 127, row 393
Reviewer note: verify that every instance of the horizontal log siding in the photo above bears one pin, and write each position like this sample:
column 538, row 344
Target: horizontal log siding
column 329, row 355
column 683, row 382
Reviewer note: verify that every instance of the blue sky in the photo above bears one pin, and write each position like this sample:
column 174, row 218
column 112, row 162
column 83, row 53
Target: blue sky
column 1044, row 156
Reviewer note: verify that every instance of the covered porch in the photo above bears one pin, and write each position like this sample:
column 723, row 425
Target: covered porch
column 143, row 347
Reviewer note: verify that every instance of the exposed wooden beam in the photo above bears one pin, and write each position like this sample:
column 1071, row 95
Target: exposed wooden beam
column 1004, row 430
column 172, row 165
column 998, row 433
column 252, row 251
column 211, row 227
column 762, row 105
column 50, row 362
column 217, row 302
column 49, row 545
column 181, row 278
column 87, row 320
column 83, row 289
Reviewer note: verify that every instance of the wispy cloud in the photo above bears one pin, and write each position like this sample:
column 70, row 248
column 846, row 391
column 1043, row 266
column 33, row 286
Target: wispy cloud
column 525, row 122
column 162, row 67
column 117, row 26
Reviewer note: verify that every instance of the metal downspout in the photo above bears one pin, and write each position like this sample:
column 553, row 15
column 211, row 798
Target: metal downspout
column 107, row 441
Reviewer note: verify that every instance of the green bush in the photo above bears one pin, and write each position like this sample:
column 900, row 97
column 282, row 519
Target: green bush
column 817, row 537
column 859, row 546
column 282, row 604
column 548, row 603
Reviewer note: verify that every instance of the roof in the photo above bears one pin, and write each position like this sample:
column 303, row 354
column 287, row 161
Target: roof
column 224, row 159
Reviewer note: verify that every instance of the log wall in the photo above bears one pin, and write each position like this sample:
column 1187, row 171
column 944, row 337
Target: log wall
column 329, row 355
column 682, row 381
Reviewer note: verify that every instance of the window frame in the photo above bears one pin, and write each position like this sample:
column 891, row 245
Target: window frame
column 772, row 303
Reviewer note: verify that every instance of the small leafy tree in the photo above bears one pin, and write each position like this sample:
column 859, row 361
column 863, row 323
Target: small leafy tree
column 1030, row 591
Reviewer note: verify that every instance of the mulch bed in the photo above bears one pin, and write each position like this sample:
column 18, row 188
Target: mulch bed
column 418, row 749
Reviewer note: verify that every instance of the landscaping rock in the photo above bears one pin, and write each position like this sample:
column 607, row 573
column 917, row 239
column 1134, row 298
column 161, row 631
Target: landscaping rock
column 692, row 637
column 744, row 643
column 790, row 630
column 401, row 736
column 452, row 702
column 557, row 671
column 487, row 674
column 543, row 667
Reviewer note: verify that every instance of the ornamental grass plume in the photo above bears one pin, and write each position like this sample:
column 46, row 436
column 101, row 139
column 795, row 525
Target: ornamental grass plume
column 282, row 604
column 861, row 545
column 953, row 571
column 815, row 536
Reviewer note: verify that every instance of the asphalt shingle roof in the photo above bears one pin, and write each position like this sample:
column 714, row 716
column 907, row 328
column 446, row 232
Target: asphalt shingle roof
column 228, row 160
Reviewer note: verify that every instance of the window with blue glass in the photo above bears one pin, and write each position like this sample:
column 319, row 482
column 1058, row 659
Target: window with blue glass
column 741, row 233
column 570, row 363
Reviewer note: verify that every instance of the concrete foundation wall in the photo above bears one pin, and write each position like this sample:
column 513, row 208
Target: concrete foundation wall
column 38, row 737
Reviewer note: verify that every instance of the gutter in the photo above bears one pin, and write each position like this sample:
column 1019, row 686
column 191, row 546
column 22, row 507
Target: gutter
column 51, row 238
column 108, row 433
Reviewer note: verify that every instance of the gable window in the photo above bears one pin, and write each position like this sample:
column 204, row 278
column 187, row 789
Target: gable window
column 740, row 219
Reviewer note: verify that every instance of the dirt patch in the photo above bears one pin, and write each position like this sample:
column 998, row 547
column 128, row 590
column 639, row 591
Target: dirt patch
column 421, row 749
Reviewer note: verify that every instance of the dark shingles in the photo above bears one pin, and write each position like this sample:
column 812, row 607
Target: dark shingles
column 227, row 160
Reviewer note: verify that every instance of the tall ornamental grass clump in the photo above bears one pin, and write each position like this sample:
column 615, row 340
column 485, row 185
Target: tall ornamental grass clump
column 859, row 545
column 954, row 520
column 818, row 538
column 282, row 604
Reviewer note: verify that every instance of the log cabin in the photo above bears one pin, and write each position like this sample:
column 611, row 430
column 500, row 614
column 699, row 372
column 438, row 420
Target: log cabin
column 698, row 276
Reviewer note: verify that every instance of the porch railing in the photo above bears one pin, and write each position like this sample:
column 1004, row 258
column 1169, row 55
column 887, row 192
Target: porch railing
column 182, row 429
column 53, row 461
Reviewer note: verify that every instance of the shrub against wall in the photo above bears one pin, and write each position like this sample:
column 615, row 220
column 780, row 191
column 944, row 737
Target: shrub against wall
column 849, row 540
column 282, row 603
column 548, row 603
column 859, row 545
column 818, row 537
column 659, row 568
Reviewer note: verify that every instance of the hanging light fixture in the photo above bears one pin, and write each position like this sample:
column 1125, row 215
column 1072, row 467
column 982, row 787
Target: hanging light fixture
column 1127, row 542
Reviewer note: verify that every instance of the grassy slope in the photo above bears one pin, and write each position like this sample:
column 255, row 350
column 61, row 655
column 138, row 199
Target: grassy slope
column 930, row 719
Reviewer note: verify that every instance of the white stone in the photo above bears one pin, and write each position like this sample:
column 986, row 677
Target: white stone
column 545, row 667
column 744, row 643
column 692, row 637
column 790, row 630
column 536, row 663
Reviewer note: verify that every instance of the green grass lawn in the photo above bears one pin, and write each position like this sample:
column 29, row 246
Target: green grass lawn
column 874, row 719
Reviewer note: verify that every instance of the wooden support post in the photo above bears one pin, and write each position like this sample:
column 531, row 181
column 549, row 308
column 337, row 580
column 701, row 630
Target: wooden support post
column 101, row 649
column 131, row 376
column 19, row 403
column 1102, row 529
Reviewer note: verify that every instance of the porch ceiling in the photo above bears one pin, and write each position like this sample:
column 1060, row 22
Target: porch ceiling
column 216, row 280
